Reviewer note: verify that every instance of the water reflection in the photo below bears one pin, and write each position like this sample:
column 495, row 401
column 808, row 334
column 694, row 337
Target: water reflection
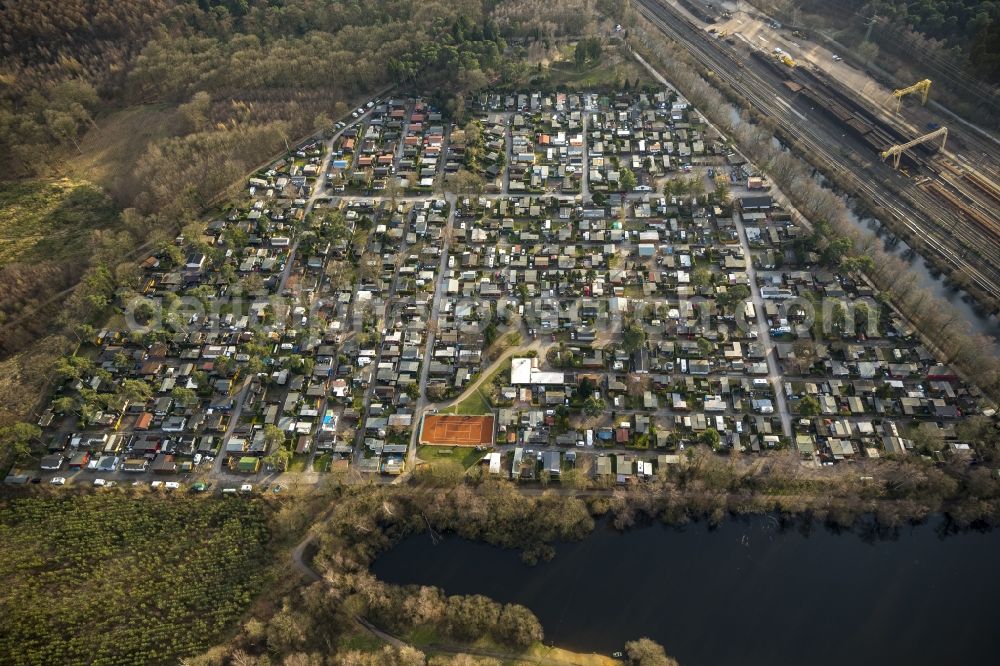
column 753, row 590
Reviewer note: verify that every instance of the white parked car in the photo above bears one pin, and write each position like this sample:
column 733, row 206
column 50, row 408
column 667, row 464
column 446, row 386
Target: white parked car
column 197, row 459
column 155, row 484
column 58, row 481
column 172, row 485
column 100, row 483
column 246, row 488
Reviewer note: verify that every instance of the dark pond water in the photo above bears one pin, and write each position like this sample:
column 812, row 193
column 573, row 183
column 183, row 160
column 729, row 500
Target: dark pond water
column 747, row 592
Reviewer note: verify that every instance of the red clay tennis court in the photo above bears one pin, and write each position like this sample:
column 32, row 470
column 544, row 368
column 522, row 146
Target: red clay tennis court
column 449, row 430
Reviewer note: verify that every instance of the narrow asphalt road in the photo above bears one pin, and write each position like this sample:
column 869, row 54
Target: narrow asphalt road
column 317, row 191
column 234, row 419
column 439, row 294
column 585, row 177
column 508, row 149
column 764, row 331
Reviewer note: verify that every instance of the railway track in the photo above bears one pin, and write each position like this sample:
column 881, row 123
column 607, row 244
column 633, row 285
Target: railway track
column 925, row 213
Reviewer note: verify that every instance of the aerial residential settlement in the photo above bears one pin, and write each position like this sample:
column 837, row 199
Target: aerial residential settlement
column 616, row 286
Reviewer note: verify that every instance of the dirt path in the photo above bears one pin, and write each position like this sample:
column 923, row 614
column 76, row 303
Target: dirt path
column 487, row 372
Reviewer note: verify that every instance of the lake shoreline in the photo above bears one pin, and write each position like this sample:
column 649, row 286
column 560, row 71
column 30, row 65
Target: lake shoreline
column 680, row 584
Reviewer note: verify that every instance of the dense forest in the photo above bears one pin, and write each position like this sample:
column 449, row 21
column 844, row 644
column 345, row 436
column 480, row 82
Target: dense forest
column 969, row 24
column 107, row 579
column 964, row 34
column 970, row 28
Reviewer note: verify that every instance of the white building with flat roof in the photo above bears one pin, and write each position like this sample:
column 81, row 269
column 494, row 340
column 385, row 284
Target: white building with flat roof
column 520, row 371
column 525, row 372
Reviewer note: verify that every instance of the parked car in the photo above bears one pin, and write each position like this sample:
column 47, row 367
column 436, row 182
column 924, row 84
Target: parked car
column 58, row 481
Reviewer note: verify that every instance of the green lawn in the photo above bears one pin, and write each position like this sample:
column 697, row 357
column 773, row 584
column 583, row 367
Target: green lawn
column 50, row 219
column 476, row 403
column 613, row 69
column 322, row 463
column 423, row 635
column 466, row 456
column 502, row 369
column 298, row 463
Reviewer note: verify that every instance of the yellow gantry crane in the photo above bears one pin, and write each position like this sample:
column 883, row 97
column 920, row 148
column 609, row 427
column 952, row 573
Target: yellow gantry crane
column 897, row 151
column 922, row 87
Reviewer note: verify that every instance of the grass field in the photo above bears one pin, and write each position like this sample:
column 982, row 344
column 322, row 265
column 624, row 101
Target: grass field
column 42, row 218
column 479, row 402
column 540, row 654
column 614, row 68
column 322, row 462
column 463, row 455
column 475, row 403
column 48, row 219
column 110, row 151
column 298, row 462
column 426, row 637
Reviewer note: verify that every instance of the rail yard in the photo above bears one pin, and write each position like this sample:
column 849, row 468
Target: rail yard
column 951, row 207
